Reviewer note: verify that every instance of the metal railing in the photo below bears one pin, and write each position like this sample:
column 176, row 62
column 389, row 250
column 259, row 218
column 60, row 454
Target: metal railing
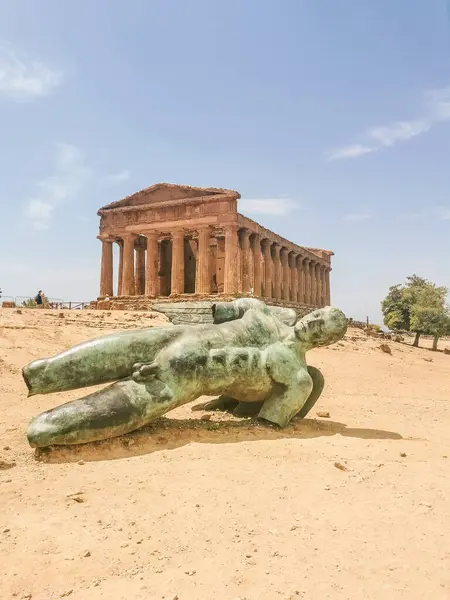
column 55, row 303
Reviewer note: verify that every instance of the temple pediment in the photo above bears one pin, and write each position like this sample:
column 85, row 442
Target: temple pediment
column 167, row 192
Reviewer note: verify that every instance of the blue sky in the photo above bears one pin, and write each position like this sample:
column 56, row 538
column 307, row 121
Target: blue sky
column 332, row 119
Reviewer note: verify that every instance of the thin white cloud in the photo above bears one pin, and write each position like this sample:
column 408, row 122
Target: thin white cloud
column 22, row 79
column 118, row 177
column 271, row 206
column 70, row 176
column 399, row 132
column 436, row 110
column 355, row 217
column 350, row 151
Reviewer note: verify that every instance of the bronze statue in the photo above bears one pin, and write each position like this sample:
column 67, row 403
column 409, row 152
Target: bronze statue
column 251, row 355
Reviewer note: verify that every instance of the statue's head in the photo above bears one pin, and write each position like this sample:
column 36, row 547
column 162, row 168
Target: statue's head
column 321, row 327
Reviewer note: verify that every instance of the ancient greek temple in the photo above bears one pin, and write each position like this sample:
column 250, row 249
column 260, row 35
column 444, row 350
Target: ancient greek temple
column 178, row 242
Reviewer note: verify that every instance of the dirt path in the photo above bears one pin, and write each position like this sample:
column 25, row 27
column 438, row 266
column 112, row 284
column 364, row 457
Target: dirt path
column 227, row 509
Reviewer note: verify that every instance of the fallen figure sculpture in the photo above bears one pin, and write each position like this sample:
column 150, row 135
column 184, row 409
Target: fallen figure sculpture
column 252, row 356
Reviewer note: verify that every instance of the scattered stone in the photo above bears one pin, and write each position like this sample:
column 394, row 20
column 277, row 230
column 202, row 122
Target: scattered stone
column 27, row 596
column 78, row 499
column 68, row 593
column 81, row 462
column 340, row 466
column 7, row 448
column 7, row 465
column 61, row 315
column 446, row 350
column 86, row 554
column 403, row 454
column 190, row 573
column 205, row 418
column 386, row 348
column 428, row 359
column 18, row 311
column 324, row 414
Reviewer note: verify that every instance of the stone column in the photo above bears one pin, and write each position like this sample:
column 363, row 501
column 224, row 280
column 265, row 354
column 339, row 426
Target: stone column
column 313, row 295
column 300, row 279
column 322, row 286
column 106, row 272
column 268, row 268
column 139, row 278
column 119, row 243
column 256, row 252
column 152, row 278
column 294, row 277
column 246, row 258
column 327, row 287
column 177, row 277
column 318, row 285
column 128, row 264
column 307, row 280
column 286, row 274
column 120, row 269
column 203, row 279
column 230, row 284
column 277, row 270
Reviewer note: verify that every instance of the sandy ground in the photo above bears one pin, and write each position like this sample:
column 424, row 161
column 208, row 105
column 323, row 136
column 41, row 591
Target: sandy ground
column 228, row 509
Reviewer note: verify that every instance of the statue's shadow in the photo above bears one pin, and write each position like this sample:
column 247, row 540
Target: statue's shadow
column 168, row 434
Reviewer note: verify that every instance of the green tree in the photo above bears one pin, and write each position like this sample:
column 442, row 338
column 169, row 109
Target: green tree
column 417, row 306
column 429, row 314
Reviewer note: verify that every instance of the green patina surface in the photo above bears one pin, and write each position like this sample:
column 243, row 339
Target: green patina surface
column 249, row 355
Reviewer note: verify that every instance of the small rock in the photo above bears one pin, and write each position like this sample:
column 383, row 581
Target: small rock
column 124, row 545
column 68, row 593
column 6, row 465
column 27, row 596
column 428, row 359
column 324, row 414
column 6, row 448
column 205, row 418
column 340, row 466
column 385, row 348
column 446, row 350
column 19, row 312
column 81, row 462
column 190, row 573
column 86, row 554
column 78, row 499
column 403, row 454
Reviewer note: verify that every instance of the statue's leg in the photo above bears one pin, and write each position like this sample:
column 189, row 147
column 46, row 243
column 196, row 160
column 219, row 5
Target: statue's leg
column 318, row 385
column 117, row 409
column 101, row 360
column 287, row 400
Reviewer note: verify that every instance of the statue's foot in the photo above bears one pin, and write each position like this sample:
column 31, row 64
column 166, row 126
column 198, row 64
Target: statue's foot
column 222, row 403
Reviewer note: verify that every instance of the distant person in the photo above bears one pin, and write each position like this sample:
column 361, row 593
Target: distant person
column 39, row 298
